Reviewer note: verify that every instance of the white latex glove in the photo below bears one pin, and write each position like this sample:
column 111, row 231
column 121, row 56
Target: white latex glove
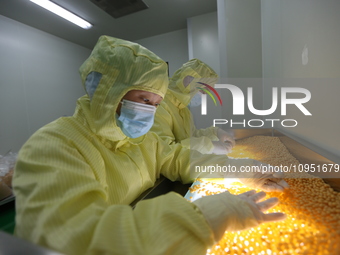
column 225, row 137
column 227, row 212
column 221, row 148
column 265, row 180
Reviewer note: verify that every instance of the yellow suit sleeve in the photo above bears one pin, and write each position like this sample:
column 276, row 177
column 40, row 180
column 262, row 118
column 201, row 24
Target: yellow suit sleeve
column 179, row 163
column 209, row 132
column 64, row 205
column 163, row 225
column 173, row 128
column 200, row 139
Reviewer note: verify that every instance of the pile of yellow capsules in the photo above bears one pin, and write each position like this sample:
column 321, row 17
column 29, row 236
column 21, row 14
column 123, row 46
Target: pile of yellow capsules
column 312, row 226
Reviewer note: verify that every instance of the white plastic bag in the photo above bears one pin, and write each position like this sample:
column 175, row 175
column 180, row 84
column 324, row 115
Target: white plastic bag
column 7, row 163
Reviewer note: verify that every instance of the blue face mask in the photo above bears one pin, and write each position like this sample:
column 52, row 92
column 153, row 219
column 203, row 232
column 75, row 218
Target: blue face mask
column 196, row 100
column 135, row 119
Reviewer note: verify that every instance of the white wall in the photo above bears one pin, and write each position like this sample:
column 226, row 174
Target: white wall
column 39, row 81
column 171, row 47
column 203, row 39
column 301, row 49
column 203, row 45
column 230, row 41
column 239, row 24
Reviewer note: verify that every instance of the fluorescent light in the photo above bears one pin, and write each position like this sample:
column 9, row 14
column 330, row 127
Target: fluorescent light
column 63, row 13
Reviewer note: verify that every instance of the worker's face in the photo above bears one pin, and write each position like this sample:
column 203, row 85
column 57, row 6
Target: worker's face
column 143, row 97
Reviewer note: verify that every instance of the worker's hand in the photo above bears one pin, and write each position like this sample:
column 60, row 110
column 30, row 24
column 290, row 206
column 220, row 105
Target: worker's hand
column 227, row 212
column 221, row 148
column 258, row 208
column 225, row 137
column 264, row 179
column 254, row 174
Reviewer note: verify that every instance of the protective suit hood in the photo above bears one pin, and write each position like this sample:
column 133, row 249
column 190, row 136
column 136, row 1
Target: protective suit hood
column 122, row 66
column 200, row 71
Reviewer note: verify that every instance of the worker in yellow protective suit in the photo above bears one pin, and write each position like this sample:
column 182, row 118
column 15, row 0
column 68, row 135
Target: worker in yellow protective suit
column 75, row 177
column 174, row 122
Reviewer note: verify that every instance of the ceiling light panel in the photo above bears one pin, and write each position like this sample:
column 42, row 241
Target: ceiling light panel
column 56, row 9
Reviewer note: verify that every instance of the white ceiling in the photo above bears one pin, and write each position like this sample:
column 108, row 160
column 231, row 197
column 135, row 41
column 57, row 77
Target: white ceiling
column 162, row 16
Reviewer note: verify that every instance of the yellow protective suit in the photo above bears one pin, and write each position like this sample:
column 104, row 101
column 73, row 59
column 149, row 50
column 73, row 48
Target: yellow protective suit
column 173, row 121
column 75, row 177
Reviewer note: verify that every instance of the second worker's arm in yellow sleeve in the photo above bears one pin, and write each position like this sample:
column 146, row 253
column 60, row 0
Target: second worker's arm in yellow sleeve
column 174, row 128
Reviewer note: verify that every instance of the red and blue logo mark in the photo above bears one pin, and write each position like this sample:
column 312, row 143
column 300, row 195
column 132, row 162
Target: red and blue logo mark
column 207, row 90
